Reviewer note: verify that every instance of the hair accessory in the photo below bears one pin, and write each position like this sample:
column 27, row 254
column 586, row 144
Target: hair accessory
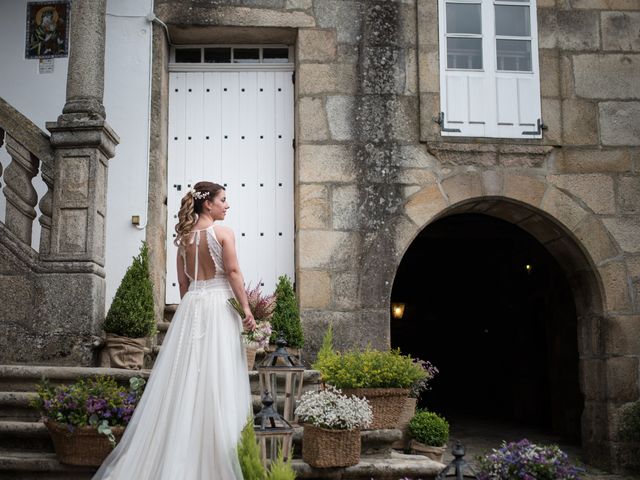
column 199, row 195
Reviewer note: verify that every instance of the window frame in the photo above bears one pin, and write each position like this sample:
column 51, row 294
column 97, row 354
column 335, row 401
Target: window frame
column 490, row 77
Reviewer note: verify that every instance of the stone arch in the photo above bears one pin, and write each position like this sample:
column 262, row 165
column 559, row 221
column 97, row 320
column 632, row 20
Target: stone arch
column 577, row 239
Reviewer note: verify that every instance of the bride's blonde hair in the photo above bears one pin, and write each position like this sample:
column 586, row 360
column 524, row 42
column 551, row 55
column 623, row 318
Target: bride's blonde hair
column 191, row 205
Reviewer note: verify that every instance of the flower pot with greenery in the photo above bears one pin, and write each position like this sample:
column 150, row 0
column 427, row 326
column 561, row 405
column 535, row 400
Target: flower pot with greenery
column 285, row 321
column 382, row 377
column 131, row 318
column 262, row 307
column 524, row 459
column 429, row 433
column 87, row 418
column 331, row 427
column 409, row 409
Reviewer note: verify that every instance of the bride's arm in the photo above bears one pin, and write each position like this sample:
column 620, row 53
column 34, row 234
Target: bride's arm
column 183, row 280
column 232, row 267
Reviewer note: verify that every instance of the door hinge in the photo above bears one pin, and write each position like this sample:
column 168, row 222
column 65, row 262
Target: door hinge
column 293, row 143
column 293, row 78
column 440, row 121
column 541, row 126
column 178, row 187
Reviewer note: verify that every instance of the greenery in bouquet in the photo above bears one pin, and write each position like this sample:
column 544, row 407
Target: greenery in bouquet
column 527, row 461
column 330, row 409
column 630, row 422
column 429, row 428
column 99, row 402
column 262, row 307
column 422, row 384
column 368, row 369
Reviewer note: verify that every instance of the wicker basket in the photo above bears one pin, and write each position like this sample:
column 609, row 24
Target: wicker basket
column 250, row 350
column 322, row 448
column 386, row 403
column 83, row 446
column 408, row 411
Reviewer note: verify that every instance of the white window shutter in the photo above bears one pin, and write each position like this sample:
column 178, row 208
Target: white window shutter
column 489, row 103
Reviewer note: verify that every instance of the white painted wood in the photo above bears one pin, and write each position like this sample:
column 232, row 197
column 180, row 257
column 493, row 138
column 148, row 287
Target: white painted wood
column 490, row 103
column 257, row 170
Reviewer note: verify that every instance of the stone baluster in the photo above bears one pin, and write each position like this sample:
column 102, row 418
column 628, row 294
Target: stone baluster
column 19, row 192
column 1, row 143
column 46, row 208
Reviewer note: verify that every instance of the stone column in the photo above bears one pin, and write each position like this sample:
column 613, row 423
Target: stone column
column 83, row 144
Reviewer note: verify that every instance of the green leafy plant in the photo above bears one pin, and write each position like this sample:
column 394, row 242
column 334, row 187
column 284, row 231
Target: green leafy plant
column 285, row 321
column 131, row 313
column 368, row 369
column 99, row 402
column 429, row 428
column 280, row 469
column 630, row 422
column 249, row 454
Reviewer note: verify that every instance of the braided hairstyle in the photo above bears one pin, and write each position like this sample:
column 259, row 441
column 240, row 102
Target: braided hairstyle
column 191, row 206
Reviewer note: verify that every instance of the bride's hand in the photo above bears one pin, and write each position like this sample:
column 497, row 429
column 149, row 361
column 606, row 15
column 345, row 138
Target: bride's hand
column 249, row 322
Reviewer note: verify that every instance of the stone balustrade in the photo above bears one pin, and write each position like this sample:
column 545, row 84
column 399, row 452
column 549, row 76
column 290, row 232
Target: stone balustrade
column 31, row 152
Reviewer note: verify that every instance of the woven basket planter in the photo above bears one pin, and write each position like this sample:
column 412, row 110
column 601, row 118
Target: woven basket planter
column 386, row 403
column 323, row 448
column 83, row 446
column 250, row 350
column 408, row 411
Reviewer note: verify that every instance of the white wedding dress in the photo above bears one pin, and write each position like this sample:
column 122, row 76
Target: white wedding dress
column 197, row 400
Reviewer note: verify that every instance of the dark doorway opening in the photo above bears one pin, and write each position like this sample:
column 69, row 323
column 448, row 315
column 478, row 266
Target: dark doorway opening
column 488, row 305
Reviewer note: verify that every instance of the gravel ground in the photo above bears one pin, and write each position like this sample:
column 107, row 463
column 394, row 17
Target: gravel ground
column 479, row 437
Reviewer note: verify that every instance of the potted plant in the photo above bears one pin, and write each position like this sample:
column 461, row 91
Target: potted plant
column 629, row 433
column 524, row 459
column 409, row 409
column 262, row 307
column 285, row 321
column 429, row 432
column 383, row 377
column 131, row 318
column 251, row 465
column 331, row 427
column 87, row 418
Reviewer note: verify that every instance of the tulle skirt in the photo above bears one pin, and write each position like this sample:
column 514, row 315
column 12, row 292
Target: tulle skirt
column 197, row 400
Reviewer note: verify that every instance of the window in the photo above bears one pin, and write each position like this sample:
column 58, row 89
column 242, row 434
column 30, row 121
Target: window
column 489, row 74
column 232, row 55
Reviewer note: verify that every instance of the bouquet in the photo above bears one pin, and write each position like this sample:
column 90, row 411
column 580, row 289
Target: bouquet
column 262, row 307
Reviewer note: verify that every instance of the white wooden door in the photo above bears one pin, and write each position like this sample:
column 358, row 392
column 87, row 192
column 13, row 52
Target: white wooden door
column 236, row 128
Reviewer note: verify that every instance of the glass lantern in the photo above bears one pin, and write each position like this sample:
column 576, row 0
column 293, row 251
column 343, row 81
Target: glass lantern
column 272, row 431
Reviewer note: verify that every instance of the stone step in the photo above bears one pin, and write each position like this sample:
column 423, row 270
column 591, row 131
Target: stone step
column 29, row 436
column 15, row 406
column 169, row 311
column 23, row 378
column 162, row 332
column 38, row 465
column 395, row 467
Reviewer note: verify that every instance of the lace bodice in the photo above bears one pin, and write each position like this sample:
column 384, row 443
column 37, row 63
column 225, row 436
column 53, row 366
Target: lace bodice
column 195, row 258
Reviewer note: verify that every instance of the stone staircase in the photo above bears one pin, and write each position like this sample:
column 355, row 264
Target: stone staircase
column 26, row 450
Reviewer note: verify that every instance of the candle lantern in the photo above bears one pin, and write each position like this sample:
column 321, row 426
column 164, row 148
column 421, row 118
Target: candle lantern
column 272, row 431
column 282, row 374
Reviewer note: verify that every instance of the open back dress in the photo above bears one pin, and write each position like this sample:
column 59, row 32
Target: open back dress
column 197, row 400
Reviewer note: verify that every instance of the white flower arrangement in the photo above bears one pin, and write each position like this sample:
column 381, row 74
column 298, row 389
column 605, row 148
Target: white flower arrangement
column 332, row 410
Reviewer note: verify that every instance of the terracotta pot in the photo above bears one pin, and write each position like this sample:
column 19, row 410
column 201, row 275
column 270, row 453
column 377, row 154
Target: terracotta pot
column 125, row 352
column 434, row 453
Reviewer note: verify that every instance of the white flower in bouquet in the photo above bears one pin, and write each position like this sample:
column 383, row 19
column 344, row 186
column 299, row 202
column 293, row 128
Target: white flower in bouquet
column 330, row 409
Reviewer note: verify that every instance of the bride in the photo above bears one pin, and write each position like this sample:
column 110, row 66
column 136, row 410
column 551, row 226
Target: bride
column 197, row 399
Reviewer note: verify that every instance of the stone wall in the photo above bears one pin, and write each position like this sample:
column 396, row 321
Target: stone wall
column 372, row 169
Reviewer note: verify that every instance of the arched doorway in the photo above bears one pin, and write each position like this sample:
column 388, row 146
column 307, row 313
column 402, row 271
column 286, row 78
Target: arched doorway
column 493, row 310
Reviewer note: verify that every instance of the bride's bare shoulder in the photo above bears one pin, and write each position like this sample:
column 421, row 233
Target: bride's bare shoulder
column 223, row 232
